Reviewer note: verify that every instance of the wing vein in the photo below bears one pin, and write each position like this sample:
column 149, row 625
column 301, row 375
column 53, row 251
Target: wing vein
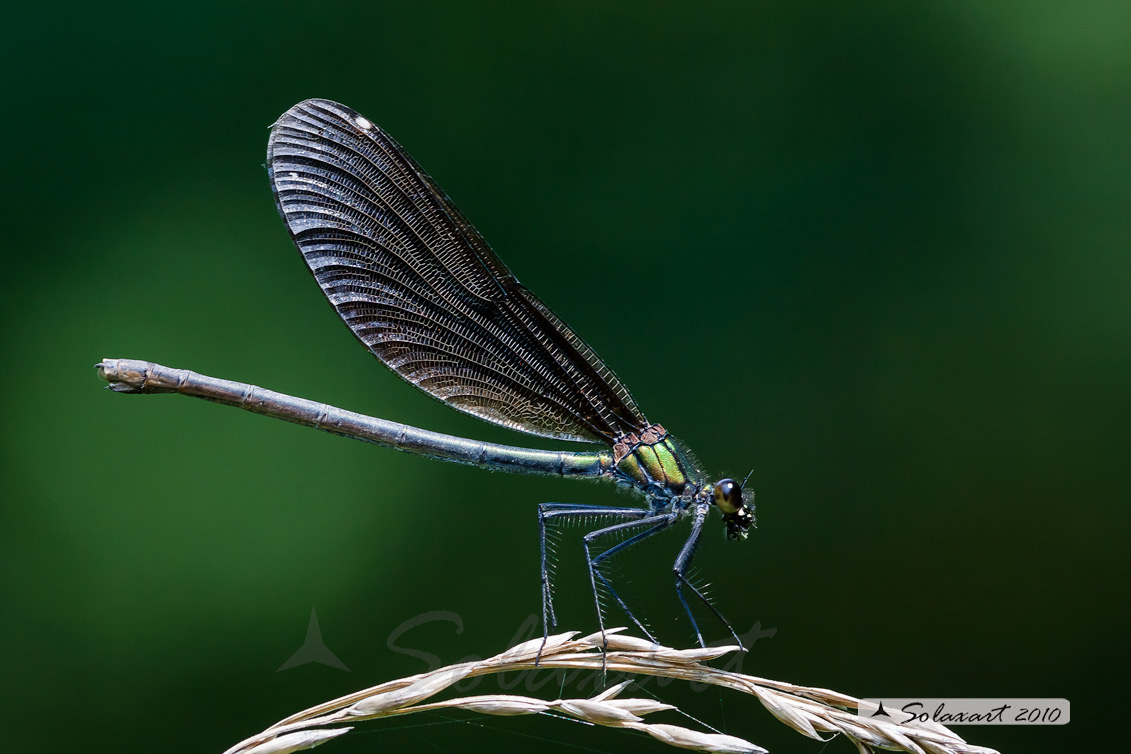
column 422, row 290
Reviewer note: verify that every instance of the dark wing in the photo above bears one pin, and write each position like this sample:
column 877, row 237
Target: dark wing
column 424, row 292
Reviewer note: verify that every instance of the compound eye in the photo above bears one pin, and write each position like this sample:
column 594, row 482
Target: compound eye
column 728, row 496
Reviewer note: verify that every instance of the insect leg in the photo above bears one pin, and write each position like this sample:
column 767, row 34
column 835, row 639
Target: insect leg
column 682, row 561
column 549, row 511
column 658, row 523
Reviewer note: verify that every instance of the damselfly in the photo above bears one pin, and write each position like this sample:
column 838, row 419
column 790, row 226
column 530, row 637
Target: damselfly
column 424, row 292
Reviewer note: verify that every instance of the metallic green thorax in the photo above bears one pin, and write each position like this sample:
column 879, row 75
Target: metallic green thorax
column 656, row 462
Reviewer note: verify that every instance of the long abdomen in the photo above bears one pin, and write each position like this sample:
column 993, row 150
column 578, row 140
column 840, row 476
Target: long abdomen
column 132, row 376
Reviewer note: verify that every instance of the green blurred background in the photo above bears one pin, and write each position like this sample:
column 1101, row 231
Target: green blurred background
column 877, row 251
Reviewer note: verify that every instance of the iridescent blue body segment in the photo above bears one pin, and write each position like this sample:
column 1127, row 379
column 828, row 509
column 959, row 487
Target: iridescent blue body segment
column 132, row 376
